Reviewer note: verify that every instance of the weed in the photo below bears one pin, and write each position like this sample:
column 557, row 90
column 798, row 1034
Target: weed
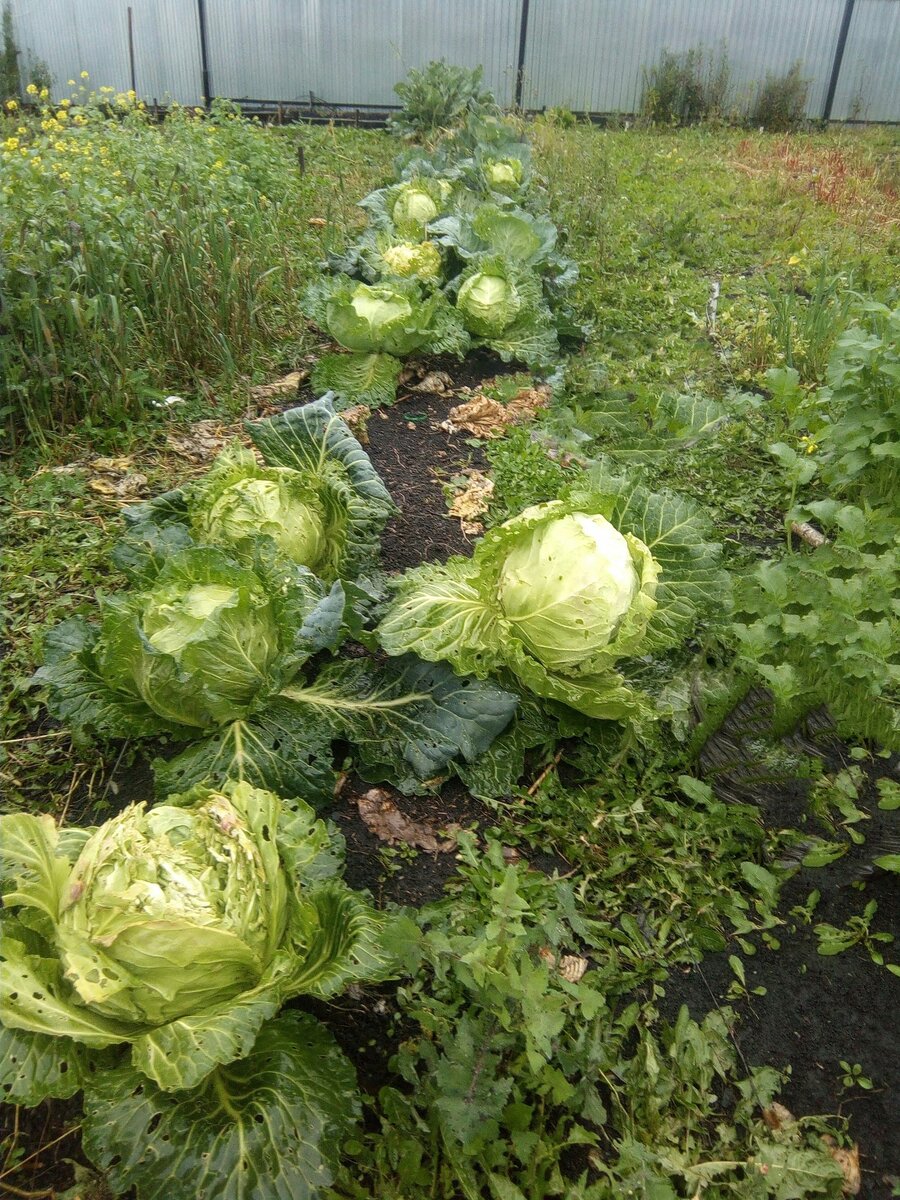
column 780, row 103
column 683, row 89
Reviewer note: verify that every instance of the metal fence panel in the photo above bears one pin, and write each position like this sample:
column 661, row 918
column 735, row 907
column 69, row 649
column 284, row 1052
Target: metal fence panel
column 591, row 55
column 354, row 51
column 869, row 84
column 72, row 36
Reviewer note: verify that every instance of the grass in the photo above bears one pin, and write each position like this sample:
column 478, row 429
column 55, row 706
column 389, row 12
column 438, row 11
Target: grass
column 504, row 1070
column 141, row 260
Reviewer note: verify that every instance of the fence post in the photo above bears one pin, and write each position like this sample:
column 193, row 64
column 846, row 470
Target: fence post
column 205, row 81
column 131, row 49
column 520, row 67
column 838, row 58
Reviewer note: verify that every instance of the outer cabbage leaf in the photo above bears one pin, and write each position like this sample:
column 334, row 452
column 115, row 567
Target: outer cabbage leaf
column 282, row 748
column 358, row 378
column 512, row 234
column 406, row 721
column 36, row 1067
column 272, row 1124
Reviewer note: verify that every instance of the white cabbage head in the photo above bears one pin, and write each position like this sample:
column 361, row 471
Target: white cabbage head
column 273, row 507
column 413, row 207
column 568, row 586
column 488, row 303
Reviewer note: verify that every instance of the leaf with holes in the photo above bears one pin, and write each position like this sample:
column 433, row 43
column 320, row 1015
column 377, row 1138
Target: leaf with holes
column 271, row 1124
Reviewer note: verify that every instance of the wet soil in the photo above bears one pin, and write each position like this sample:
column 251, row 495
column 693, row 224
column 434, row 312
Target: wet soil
column 816, row 1010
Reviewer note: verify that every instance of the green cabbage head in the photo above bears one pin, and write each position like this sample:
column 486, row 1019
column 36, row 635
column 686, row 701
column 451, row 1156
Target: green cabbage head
column 413, row 258
column 177, row 930
column 568, row 587
column 277, row 504
column 170, row 910
column 489, row 303
column 196, row 646
column 413, row 208
column 504, row 175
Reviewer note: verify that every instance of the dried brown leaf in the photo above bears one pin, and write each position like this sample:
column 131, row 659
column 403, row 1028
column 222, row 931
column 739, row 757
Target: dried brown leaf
column 317, row 222
column 570, row 966
column 126, row 487
column 489, row 418
column 776, row 1116
column 438, row 382
column 357, row 419
column 382, row 817
column 203, row 442
column 112, row 466
column 848, row 1161
column 472, row 501
column 279, row 387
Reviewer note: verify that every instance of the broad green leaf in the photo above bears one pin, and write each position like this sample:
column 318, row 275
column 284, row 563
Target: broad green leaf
column 285, row 749
column 36, row 1067
column 406, row 720
column 81, row 698
column 34, row 997
column 270, row 1125
column 182, row 1053
column 31, row 863
column 358, row 378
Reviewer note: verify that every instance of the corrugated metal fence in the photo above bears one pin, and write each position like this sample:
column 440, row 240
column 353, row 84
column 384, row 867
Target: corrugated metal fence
column 589, row 55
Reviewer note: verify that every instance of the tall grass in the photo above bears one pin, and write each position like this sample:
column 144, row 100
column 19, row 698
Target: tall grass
column 139, row 258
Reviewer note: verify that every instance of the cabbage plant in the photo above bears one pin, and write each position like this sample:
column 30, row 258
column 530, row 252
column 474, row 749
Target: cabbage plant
column 318, row 498
column 379, row 325
column 503, row 307
column 560, row 599
column 216, row 654
column 405, row 209
column 145, row 961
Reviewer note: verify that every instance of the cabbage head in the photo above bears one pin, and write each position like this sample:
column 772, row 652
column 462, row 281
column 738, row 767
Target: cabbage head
column 177, row 929
column 170, row 910
column 413, row 208
column 504, row 175
column 275, row 503
column 489, row 303
column 196, row 646
column 375, row 319
column 568, row 587
column 422, row 259
column 556, row 597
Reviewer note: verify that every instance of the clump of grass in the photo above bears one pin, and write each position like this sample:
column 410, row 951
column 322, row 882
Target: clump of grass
column 780, row 103
column 686, row 88
column 141, row 258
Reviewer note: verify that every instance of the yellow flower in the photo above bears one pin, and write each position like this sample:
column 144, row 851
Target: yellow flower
column 106, row 91
column 44, row 93
column 218, row 165
column 70, row 82
column 62, row 115
column 36, row 161
column 12, row 105
column 32, row 89
column 11, row 143
column 85, row 75
column 79, row 120
column 793, row 260
column 65, row 103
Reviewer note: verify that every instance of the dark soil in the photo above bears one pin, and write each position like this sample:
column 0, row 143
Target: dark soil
column 816, row 1010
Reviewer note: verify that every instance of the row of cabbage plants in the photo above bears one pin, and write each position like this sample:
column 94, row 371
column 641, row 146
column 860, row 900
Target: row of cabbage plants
column 146, row 961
